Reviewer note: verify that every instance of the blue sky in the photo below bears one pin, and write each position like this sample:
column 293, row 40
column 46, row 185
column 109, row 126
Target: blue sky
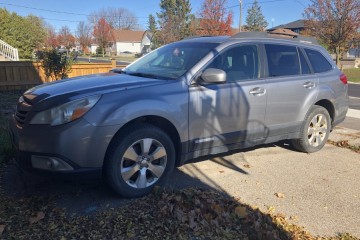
column 276, row 12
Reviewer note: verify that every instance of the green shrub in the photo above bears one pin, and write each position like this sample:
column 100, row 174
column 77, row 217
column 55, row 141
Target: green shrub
column 56, row 64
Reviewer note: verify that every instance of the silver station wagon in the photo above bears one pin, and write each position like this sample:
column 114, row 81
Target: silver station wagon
column 195, row 97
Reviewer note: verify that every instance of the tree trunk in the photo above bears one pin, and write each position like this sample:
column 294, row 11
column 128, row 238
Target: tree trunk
column 338, row 56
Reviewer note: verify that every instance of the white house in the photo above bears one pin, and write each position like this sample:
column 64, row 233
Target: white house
column 93, row 48
column 131, row 41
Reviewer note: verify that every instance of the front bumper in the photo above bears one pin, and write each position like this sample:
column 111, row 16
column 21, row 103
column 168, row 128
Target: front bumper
column 79, row 146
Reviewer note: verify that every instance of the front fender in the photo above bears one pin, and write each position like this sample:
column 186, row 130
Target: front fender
column 122, row 107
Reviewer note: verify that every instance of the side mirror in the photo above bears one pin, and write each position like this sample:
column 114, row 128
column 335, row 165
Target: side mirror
column 213, row 75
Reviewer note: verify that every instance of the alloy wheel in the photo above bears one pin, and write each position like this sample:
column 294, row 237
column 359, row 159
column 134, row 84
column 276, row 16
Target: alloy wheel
column 317, row 130
column 143, row 163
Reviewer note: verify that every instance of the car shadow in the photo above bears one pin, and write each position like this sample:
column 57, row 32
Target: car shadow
column 85, row 196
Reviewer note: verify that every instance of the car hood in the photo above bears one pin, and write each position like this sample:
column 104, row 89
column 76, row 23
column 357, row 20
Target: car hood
column 67, row 89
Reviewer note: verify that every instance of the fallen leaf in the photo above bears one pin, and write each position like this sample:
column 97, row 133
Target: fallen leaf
column 2, row 227
column 271, row 209
column 241, row 212
column 279, row 195
column 247, row 165
column 39, row 216
column 294, row 218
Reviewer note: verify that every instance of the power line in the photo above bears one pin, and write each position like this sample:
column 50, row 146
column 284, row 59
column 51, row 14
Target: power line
column 270, row 1
column 53, row 11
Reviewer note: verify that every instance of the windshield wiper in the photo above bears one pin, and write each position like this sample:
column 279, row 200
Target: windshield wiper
column 147, row 75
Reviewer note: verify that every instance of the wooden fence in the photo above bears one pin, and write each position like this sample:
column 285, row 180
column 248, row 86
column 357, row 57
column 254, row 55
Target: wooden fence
column 23, row 75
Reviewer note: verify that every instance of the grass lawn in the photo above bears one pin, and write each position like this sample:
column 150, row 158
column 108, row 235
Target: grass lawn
column 352, row 74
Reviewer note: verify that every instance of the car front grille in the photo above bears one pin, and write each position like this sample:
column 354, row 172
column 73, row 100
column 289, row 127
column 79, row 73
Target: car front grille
column 22, row 109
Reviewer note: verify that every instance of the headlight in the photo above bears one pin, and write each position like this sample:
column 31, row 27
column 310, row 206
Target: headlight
column 65, row 113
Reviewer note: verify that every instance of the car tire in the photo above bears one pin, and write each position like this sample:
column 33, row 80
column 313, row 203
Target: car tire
column 314, row 131
column 139, row 158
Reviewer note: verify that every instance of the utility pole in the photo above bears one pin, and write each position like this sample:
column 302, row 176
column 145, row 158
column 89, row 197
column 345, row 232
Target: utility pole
column 240, row 18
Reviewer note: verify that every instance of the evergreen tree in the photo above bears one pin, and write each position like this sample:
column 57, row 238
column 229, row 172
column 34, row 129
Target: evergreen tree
column 152, row 24
column 24, row 33
column 174, row 20
column 255, row 20
column 152, row 27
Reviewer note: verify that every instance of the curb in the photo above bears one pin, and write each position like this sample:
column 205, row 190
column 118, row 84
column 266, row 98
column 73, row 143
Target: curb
column 353, row 113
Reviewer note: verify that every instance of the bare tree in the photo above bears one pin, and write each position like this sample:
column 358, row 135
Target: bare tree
column 65, row 38
column 334, row 22
column 118, row 18
column 83, row 35
column 51, row 40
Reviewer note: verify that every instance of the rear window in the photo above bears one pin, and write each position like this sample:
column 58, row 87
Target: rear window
column 282, row 60
column 318, row 61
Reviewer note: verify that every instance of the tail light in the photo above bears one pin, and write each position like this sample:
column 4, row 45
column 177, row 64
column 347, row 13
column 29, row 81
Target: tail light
column 343, row 78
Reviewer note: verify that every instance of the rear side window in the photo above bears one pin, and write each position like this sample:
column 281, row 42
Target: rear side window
column 318, row 61
column 282, row 60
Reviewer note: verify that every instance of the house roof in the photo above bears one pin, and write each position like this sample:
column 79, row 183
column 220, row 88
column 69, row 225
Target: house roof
column 283, row 32
column 291, row 25
column 128, row 35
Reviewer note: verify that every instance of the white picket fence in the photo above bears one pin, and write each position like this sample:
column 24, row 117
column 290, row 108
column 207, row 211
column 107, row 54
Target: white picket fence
column 8, row 51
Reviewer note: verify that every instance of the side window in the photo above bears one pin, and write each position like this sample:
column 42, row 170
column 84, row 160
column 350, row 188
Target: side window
column 282, row 60
column 318, row 61
column 304, row 65
column 239, row 63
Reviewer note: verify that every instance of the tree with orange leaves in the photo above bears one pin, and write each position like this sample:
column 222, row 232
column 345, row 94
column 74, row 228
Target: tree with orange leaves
column 334, row 22
column 103, row 34
column 214, row 18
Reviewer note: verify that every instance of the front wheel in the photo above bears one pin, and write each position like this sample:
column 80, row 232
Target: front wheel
column 314, row 131
column 138, row 160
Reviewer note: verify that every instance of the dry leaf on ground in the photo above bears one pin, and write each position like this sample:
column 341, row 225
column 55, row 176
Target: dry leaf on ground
column 2, row 227
column 279, row 195
column 241, row 211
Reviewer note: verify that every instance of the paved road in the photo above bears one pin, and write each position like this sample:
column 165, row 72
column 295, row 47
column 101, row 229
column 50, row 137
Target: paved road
column 354, row 94
column 94, row 60
column 354, row 90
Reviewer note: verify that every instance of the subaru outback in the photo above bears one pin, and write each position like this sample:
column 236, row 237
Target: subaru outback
column 196, row 97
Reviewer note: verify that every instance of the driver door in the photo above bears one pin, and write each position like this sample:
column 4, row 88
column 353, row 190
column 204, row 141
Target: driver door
column 229, row 115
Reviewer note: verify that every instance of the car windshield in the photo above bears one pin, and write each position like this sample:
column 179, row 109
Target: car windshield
column 171, row 61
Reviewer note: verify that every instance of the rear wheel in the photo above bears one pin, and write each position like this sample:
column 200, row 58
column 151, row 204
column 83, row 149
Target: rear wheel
column 314, row 131
column 139, row 159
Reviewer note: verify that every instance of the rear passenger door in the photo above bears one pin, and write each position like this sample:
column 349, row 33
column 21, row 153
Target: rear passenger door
column 291, row 89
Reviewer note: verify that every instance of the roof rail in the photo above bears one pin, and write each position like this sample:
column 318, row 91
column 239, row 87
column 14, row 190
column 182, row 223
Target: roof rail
column 200, row 36
column 270, row 35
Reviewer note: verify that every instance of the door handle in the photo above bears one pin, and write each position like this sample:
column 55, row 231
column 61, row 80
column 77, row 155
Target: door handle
column 258, row 91
column 309, row 85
